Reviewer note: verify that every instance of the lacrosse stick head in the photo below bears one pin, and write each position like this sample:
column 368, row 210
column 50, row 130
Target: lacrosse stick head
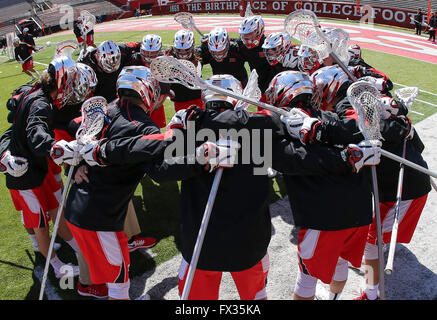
column 140, row 80
column 365, row 98
column 93, row 118
column 66, row 48
column 248, row 12
column 330, row 84
column 407, row 95
column 251, row 31
column 183, row 44
column 217, row 101
column 185, row 19
column 339, row 43
column 251, row 90
column 288, row 88
column 168, row 69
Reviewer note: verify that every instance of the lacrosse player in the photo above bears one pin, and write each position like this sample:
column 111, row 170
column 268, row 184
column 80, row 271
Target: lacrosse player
column 222, row 53
column 35, row 191
column 23, row 54
column 280, row 52
column 84, row 40
column 27, row 37
column 184, row 48
column 250, row 42
column 242, row 249
column 107, row 61
column 115, row 164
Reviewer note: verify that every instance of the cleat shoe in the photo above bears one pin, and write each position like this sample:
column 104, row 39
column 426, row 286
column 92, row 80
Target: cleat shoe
column 56, row 247
column 98, row 291
column 141, row 242
column 364, row 297
column 66, row 270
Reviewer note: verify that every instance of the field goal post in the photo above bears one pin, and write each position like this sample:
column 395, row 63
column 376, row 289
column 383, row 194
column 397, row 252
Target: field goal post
column 10, row 45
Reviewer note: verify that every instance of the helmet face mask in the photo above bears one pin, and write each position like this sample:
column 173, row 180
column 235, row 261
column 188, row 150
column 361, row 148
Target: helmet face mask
column 85, row 84
column 308, row 59
column 355, row 53
column 108, row 56
column 251, row 31
column 218, row 43
column 214, row 100
column 64, row 72
column 184, row 44
column 150, row 48
column 289, row 87
column 140, row 80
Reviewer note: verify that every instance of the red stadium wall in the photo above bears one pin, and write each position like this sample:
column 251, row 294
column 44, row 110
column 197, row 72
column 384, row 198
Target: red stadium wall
column 340, row 10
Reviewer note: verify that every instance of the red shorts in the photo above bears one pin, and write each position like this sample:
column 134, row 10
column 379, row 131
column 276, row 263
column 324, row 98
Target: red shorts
column 186, row 104
column 89, row 39
column 158, row 116
column 36, row 203
column 409, row 214
column 105, row 252
column 318, row 251
column 27, row 65
column 250, row 283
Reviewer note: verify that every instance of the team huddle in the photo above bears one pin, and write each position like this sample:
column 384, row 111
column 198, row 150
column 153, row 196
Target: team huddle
column 321, row 155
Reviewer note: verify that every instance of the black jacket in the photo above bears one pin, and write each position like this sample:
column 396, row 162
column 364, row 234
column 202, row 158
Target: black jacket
column 23, row 51
column 31, row 135
column 130, row 143
column 233, row 64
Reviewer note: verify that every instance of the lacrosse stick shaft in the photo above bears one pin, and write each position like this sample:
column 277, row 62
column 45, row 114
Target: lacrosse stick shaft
column 343, row 66
column 394, row 232
column 201, row 235
column 54, row 232
column 433, row 184
column 408, row 163
column 379, row 234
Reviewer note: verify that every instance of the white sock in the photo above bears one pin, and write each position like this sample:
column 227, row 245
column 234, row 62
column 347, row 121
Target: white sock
column 371, row 291
column 73, row 244
column 334, row 296
column 37, row 74
column 56, row 263
column 34, row 242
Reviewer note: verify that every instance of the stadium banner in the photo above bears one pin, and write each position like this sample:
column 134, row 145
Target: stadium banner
column 339, row 10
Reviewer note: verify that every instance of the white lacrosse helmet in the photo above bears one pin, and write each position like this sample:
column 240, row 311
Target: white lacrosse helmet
column 328, row 82
column 108, row 56
column 64, row 71
column 354, row 53
column 150, row 47
column 218, row 43
column 217, row 101
column 289, row 87
column 308, row 59
column 275, row 46
column 140, row 80
column 184, row 44
column 85, row 83
column 251, row 31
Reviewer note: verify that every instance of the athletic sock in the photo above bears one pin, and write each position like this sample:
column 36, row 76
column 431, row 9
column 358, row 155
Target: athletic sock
column 34, row 242
column 334, row 296
column 73, row 245
column 371, row 291
column 56, row 263
column 37, row 74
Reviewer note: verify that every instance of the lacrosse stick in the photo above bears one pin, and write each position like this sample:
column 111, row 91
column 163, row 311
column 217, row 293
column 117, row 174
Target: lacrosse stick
column 66, row 48
column 252, row 90
column 304, row 26
column 88, row 21
column 248, row 12
column 48, row 44
column 93, row 118
column 170, row 70
column 366, row 101
column 186, row 20
column 406, row 96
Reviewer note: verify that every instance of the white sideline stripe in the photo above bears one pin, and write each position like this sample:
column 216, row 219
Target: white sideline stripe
column 429, row 103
